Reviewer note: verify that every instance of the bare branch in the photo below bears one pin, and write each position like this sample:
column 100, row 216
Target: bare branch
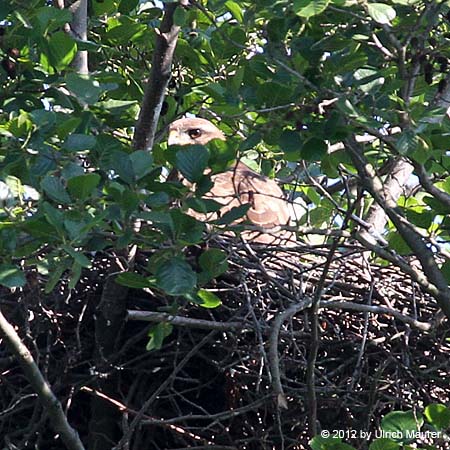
column 393, row 186
column 415, row 241
column 49, row 401
column 149, row 316
column 77, row 29
column 274, row 359
column 166, row 41
column 428, row 185
column 351, row 306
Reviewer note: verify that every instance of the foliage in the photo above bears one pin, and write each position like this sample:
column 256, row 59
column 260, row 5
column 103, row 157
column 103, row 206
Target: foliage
column 295, row 78
column 399, row 430
column 312, row 92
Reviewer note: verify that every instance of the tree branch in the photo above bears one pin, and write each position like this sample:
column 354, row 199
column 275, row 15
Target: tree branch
column 274, row 359
column 428, row 185
column 77, row 29
column 150, row 316
column 166, row 41
column 375, row 187
column 49, row 401
column 351, row 306
column 393, row 186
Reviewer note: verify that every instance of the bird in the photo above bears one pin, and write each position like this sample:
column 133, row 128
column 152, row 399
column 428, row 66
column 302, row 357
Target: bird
column 268, row 213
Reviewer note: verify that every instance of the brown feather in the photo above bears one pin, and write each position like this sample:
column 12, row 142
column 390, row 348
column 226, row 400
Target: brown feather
column 239, row 185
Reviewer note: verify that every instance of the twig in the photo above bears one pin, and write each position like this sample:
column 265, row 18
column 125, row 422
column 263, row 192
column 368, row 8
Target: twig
column 351, row 306
column 149, row 420
column 141, row 413
column 274, row 359
column 359, row 360
column 149, row 316
column 49, row 401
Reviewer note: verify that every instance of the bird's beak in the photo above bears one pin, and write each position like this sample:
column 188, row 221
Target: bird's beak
column 176, row 138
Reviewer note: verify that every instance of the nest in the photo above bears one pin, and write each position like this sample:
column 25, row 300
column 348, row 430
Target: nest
column 234, row 377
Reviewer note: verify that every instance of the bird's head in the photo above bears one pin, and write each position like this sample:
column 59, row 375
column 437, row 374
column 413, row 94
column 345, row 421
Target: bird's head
column 193, row 131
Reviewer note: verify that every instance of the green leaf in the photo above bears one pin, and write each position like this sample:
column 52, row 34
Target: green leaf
column 203, row 205
column 52, row 18
column 122, row 164
column 11, row 276
column 291, row 144
column 157, row 334
column 381, row 13
column 126, row 6
column 235, row 10
column 188, row 230
column 444, row 185
column 221, row 154
column 133, row 280
column 438, row 414
column 163, row 221
column 192, row 161
column 55, row 189
column 79, row 142
column 72, row 170
column 56, row 275
column 157, row 200
column 53, row 215
column 384, row 444
column 84, row 87
column 79, row 258
column 180, row 16
column 233, row 214
column 309, row 8
column 175, row 277
column 328, row 443
column 445, row 269
column 15, row 185
column 401, row 423
column 290, row 141
column 83, row 186
column 209, row 299
column 397, row 243
column 104, row 6
column 422, row 219
column 142, row 163
column 314, row 149
column 75, row 275
column 214, row 262
column 123, row 34
column 61, row 50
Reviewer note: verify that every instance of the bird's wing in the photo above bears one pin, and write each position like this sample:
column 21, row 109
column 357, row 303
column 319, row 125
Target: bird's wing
column 268, row 206
column 241, row 185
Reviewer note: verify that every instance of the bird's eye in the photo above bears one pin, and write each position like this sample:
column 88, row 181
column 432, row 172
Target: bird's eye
column 194, row 133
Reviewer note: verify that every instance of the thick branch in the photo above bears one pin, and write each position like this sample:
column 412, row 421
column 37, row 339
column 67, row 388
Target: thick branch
column 166, row 41
column 393, row 186
column 50, row 403
column 78, row 28
column 428, row 185
column 415, row 241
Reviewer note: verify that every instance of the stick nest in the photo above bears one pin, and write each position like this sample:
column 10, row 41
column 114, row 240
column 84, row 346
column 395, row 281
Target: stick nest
column 217, row 387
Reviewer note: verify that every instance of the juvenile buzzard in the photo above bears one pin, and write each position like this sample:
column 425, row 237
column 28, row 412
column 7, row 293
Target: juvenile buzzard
column 268, row 212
